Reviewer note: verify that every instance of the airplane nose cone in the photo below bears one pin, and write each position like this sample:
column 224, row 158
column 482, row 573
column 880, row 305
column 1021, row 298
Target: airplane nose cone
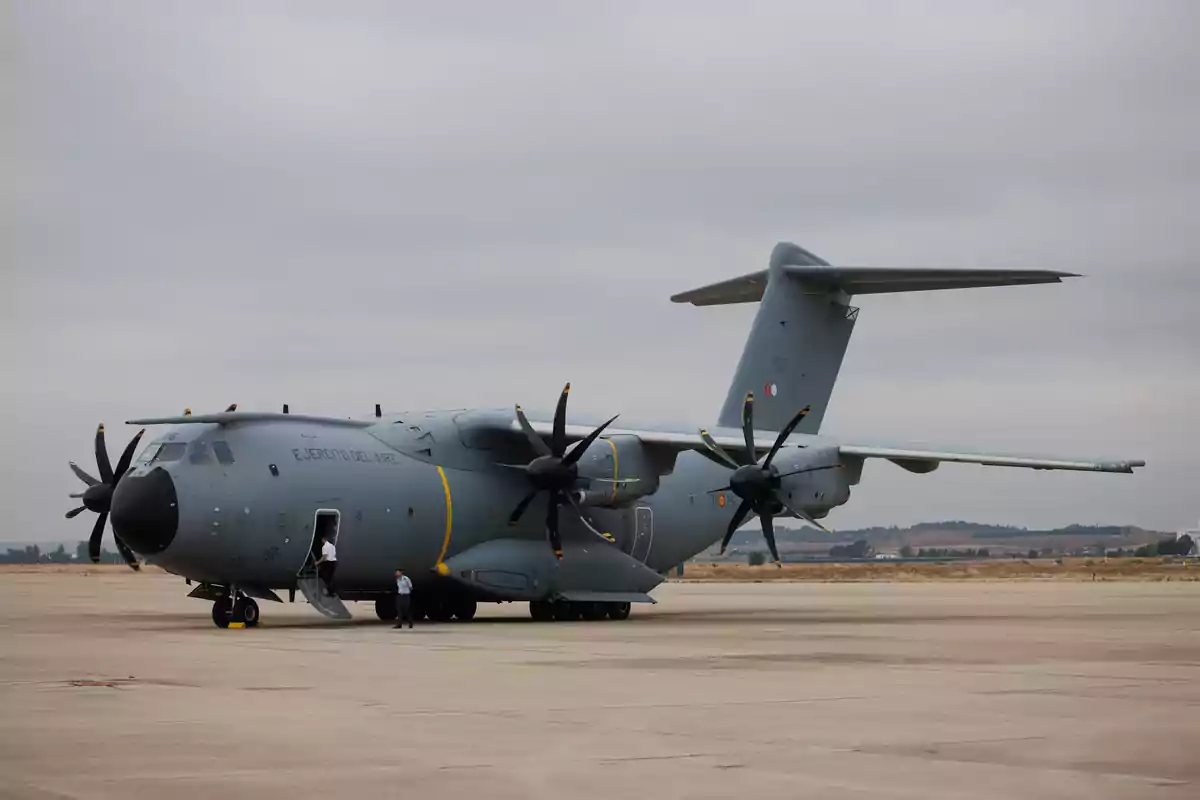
column 145, row 511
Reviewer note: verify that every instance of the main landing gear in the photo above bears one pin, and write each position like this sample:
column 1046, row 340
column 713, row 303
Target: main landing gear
column 569, row 611
column 440, row 608
column 243, row 610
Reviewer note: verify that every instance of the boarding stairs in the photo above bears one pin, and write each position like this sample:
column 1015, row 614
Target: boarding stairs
column 314, row 592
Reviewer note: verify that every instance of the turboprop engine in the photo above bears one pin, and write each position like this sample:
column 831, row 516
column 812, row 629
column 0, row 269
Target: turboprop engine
column 806, row 482
column 615, row 471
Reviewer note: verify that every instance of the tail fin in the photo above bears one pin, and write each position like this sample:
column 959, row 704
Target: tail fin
column 800, row 334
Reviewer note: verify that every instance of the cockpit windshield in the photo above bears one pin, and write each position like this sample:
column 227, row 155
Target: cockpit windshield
column 162, row 451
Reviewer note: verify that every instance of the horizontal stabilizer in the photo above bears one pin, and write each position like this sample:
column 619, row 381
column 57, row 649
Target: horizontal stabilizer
column 802, row 266
column 867, row 280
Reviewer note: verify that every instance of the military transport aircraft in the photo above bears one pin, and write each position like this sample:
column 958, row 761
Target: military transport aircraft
column 491, row 505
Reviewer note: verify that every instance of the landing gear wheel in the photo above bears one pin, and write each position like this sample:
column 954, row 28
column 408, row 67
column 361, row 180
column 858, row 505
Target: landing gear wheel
column 385, row 608
column 565, row 611
column 465, row 608
column 541, row 611
column 222, row 612
column 619, row 610
column 592, row 611
column 246, row 610
column 440, row 611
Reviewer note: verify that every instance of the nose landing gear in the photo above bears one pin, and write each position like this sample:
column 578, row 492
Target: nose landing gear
column 241, row 610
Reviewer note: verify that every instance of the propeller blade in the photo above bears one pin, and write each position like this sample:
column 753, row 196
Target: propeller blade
column 127, row 455
column 102, row 462
column 552, row 526
column 768, row 529
column 582, row 517
column 126, row 553
column 94, row 540
column 748, row 428
column 799, row 514
column 539, row 444
column 76, row 495
column 577, row 451
column 722, row 489
column 83, row 476
column 718, row 451
column 558, row 443
column 739, row 517
column 786, row 432
column 520, row 509
column 75, row 512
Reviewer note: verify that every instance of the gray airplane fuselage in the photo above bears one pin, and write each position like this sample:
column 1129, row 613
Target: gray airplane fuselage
column 409, row 493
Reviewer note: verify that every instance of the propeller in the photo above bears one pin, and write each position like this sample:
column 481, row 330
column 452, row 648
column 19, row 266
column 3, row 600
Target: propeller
column 98, row 495
column 554, row 470
column 757, row 485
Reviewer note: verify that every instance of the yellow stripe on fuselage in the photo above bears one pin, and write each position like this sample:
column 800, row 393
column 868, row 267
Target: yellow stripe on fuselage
column 614, row 449
column 449, row 515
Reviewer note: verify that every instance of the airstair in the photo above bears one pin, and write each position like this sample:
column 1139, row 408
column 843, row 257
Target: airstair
column 314, row 592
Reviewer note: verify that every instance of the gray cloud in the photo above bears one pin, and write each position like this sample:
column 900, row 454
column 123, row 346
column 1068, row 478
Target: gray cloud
column 439, row 207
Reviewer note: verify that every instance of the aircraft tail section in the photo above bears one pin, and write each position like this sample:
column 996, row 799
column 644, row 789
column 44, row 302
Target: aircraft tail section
column 804, row 322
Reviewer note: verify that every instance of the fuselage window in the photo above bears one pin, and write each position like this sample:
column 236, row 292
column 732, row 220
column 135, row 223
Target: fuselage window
column 170, row 451
column 224, row 454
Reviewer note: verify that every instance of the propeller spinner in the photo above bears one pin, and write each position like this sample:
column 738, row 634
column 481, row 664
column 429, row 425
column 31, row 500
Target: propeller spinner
column 98, row 496
column 757, row 485
column 554, row 470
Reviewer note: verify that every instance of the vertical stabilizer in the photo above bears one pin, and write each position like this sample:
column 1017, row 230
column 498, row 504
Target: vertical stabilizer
column 796, row 343
column 800, row 334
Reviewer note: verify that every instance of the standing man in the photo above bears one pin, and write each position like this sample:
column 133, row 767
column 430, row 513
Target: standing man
column 327, row 563
column 403, row 599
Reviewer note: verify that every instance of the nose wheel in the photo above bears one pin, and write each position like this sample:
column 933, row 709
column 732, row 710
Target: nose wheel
column 243, row 610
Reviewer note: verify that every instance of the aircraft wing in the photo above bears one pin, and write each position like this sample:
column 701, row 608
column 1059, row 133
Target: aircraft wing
column 915, row 458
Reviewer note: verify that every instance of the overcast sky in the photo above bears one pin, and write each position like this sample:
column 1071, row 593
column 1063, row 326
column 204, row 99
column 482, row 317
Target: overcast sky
column 444, row 205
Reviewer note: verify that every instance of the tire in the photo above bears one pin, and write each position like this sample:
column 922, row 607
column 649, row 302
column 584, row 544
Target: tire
column 385, row 608
column 592, row 611
column 465, row 608
column 221, row 613
column 619, row 611
column 541, row 611
column 440, row 611
column 246, row 610
column 566, row 611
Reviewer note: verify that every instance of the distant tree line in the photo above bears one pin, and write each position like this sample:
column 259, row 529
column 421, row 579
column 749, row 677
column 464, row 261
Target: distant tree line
column 945, row 552
column 33, row 554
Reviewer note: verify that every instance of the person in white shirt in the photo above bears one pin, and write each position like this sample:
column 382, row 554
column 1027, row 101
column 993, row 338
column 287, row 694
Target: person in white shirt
column 403, row 599
column 327, row 563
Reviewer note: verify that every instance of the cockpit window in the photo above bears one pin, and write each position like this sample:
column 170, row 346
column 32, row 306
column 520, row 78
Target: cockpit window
column 169, row 451
column 223, row 453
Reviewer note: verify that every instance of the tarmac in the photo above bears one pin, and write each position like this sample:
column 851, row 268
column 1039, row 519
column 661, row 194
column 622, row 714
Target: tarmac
column 117, row 685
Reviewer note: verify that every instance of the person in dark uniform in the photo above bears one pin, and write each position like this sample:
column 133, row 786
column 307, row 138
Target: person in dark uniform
column 403, row 599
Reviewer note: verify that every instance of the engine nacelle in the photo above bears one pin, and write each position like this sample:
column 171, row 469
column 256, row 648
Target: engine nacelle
column 818, row 489
column 616, row 470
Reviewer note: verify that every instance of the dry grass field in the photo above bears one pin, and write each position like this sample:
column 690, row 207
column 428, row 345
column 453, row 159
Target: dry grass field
column 1071, row 569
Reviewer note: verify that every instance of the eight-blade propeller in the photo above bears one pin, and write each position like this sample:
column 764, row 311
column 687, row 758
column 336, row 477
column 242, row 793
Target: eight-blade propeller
column 758, row 484
column 98, row 496
column 554, row 470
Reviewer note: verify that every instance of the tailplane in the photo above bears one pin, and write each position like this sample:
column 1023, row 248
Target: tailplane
column 799, row 336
